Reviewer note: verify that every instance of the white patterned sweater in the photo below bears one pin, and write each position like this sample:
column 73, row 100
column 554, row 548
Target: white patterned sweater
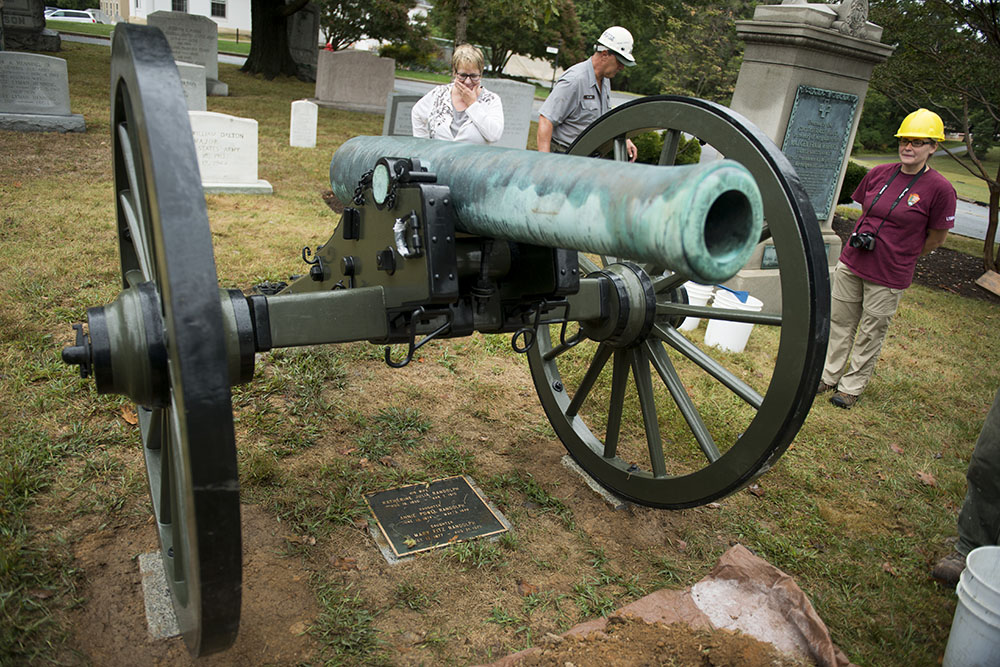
column 433, row 114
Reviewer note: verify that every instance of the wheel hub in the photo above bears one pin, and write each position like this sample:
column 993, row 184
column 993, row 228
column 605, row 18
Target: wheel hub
column 632, row 306
column 124, row 347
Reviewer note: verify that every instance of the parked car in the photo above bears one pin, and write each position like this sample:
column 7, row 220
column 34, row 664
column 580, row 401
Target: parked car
column 74, row 15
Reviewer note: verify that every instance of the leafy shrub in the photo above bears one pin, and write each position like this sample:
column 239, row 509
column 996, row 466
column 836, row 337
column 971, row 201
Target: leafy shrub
column 852, row 177
column 650, row 144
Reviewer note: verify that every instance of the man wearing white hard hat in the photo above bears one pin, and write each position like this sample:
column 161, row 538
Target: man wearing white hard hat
column 583, row 93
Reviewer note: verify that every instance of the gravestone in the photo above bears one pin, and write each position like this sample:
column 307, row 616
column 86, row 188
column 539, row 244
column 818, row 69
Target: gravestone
column 803, row 82
column 193, row 39
column 397, row 121
column 227, row 153
column 517, row 98
column 303, row 39
column 34, row 94
column 24, row 27
column 302, row 129
column 354, row 80
column 193, row 83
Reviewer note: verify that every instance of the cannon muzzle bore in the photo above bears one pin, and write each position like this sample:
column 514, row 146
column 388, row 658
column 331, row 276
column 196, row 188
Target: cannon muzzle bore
column 702, row 221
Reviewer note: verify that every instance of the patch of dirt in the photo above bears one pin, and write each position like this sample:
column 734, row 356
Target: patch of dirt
column 943, row 269
column 630, row 642
column 109, row 627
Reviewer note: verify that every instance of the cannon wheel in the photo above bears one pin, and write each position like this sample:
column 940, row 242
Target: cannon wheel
column 188, row 438
column 652, row 437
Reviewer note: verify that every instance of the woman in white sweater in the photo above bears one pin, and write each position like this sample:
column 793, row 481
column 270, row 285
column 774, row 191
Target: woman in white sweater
column 462, row 110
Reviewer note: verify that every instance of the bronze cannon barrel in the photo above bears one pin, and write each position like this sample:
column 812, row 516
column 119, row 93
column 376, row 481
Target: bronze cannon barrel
column 702, row 221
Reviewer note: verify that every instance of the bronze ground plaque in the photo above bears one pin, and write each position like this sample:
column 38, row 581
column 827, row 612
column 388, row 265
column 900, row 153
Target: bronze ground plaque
column 419, row 517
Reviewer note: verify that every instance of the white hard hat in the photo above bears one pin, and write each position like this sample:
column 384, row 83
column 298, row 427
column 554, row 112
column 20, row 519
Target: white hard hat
column 618, row 40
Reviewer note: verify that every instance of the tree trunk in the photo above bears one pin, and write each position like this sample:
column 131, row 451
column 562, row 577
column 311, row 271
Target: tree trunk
column 461, row 21
column 991, row 260
column 269, row 51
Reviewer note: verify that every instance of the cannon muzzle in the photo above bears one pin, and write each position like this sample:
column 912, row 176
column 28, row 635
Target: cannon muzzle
column 702, row 221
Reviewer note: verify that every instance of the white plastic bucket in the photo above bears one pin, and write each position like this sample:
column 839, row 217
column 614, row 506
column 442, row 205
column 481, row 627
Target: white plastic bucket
column 975, row 632
column 698, row 295
column 731, row 336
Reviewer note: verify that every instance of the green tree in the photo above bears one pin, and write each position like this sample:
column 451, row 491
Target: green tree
column 946, row 60
column 503, row 28
column 879, row 120
column 344, row 22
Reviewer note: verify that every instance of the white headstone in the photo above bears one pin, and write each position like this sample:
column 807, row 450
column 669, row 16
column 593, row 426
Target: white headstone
column 227, row 153
column 517, row 98
column 193, row 83
column 34, row 94
column 397, row 121
column 302, row 132
column 193, row 39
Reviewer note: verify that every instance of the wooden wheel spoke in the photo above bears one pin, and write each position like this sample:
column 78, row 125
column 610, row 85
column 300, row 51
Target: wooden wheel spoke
column 676, row 340
column 647, row 404
column 139, row 240
column 713, row 313
column 619, row 382
column 671, row 141
column 668, row 374
column 620, row 150
column 663, row 284
column 597, row 364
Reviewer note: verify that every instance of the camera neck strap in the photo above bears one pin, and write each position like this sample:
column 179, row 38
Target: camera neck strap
column 902, row 194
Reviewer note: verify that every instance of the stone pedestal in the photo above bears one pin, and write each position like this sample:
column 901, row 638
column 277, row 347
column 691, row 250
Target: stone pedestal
column 803, row 82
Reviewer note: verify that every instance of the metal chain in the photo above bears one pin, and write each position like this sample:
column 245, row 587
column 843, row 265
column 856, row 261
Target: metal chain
column 359, row 192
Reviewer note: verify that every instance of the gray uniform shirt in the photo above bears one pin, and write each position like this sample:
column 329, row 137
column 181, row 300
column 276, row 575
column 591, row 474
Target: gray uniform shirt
column 576, row 102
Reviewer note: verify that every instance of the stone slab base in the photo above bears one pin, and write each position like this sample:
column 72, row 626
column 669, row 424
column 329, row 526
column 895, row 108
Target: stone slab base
column 30, row 122
column 349, row 106
column 261, row 187
column 615, row 501
column 215, row 88
column 160, row 618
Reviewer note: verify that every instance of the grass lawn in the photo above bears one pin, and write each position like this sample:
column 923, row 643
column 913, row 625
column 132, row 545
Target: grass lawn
column 856, row 511
column 966, row 184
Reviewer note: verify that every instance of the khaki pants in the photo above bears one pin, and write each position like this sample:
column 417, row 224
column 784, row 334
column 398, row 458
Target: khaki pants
column 860, row 313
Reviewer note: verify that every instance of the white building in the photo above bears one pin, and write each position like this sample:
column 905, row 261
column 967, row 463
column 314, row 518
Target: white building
column 231, row 15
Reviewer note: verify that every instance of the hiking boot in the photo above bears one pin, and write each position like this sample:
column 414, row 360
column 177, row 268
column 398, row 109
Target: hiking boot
column 824, row 387
column 949, row 569
column 842, row 400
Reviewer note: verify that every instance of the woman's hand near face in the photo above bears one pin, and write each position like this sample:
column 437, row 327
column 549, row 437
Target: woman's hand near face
column 467, row 91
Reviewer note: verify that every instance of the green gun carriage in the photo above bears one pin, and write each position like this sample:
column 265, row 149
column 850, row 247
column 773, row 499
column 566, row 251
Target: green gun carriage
column 581, row 260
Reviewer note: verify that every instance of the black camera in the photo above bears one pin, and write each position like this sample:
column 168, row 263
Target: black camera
column 862, row 241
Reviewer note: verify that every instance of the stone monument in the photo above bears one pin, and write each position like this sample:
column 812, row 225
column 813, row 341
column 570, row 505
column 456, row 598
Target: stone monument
column 193, row 83
column 303, row 39
column 227, row 153
column 354, row 80
column 517, row 98
column 803, row 82
column 24, row 27
column 302, row 128
column 193, row 39
column 34, row 94
column 397, row 121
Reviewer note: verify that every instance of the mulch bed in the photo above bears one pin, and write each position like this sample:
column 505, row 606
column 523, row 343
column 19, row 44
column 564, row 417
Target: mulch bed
column 943, row 269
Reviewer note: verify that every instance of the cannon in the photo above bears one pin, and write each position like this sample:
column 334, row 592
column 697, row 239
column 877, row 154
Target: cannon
column 581, row 260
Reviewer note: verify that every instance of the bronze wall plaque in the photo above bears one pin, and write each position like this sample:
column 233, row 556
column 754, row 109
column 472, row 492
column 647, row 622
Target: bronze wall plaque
column 419, row 517
column 816, row 141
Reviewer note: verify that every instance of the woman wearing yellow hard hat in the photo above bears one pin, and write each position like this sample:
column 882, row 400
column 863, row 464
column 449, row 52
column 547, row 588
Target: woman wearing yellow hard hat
column 907, row 210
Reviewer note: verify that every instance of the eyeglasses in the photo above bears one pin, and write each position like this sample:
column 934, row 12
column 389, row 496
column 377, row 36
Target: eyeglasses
column 916, row 143
column 468, row 77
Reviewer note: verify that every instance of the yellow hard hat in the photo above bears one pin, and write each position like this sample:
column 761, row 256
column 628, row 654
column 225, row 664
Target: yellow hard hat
column 922, row 123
